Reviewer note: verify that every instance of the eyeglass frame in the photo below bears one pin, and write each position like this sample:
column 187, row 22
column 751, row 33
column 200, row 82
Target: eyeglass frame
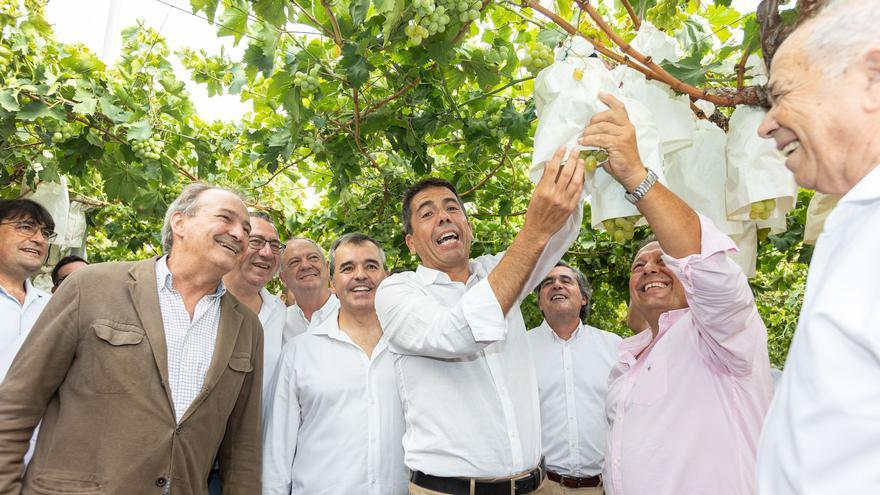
column 263, row 242
column 29, row 228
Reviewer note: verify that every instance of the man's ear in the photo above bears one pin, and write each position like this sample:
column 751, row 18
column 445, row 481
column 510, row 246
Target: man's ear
column 176, row 223
column 410, row 244
column 870, row 62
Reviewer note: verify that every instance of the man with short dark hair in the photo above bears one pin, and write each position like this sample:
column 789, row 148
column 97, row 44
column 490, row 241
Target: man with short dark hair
column 25, row 232
column 304, row 272
column 142, row 372
column 463, row 363
column 64, row 268
column 335, row 422
column 572, row 361
column 687, row 396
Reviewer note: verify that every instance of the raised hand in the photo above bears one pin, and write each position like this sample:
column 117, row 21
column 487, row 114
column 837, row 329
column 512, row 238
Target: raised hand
column 556, row 194
column 613, row 131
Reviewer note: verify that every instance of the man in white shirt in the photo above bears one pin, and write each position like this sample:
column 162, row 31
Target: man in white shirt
column 335, row 423
column 25, row 232
column 822, row 433
column 572, row 361
column 304, row 272
column 463, row 362
column 247, row 282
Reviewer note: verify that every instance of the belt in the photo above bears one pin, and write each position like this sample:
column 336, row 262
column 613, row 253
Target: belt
column 574, row 481
column 518, row 485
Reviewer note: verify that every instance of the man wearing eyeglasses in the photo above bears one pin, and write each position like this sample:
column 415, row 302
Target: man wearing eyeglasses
column 25, row 232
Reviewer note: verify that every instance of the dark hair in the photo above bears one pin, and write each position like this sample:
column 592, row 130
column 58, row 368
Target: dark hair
column 406, row 212
column 358, row 239
column 25, row 209
column 262, row 215
column 63, row 261
column 583, row 284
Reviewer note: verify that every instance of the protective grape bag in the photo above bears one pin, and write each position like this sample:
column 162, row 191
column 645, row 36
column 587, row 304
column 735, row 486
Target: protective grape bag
column 566, row 97
column 746, row 255
column 672, row 110
column 755, row 169
column 54, row 197
column 698, row 173
column 817, row 212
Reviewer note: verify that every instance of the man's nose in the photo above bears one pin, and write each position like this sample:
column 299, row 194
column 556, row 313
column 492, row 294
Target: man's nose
column 768, row 125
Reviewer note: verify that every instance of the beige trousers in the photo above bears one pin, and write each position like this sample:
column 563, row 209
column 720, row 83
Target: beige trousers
column 544, row 489
column 555, row 488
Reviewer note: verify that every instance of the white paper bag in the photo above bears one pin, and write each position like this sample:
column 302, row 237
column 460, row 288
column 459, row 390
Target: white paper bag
column 747, row 256
column 566, row 102
column 698, row 173
column 820, row 207
column 755, row 169
column 53, row 196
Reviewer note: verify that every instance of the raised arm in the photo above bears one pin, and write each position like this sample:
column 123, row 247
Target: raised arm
column 675, row 224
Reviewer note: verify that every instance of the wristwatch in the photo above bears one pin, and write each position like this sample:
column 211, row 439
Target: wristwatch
column 642, row 189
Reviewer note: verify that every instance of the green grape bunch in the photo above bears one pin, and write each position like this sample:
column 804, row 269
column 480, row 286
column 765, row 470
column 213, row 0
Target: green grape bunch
column 539, row 57
column 592, row 159
column 148, row 149
column 435, row 16
column 621, row 229
column 60, row 132
column 761, row 210
column 496, row 56
column 308, row 82
column 666, row 15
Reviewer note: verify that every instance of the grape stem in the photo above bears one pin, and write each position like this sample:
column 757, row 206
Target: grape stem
column 632, row 14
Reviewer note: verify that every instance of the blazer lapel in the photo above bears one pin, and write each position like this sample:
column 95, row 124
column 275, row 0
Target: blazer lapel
column 227, row 335
column 145, row 298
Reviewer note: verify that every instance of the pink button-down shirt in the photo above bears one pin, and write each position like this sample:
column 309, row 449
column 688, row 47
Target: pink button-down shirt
column 686, row 415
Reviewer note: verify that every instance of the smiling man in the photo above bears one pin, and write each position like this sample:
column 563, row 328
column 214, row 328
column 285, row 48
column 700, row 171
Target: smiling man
column 464, row 367
column 688, row 395
column 25, row 232
column 572, row 360
column 822, row 434
column 335, row 423
column 142, row 372
column 305, row 273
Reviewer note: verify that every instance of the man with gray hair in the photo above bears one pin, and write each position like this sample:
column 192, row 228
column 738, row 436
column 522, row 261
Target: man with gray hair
column 143, row 372
column 335, row 422
column 822, row 433
column 572, row 363
column 305, row 274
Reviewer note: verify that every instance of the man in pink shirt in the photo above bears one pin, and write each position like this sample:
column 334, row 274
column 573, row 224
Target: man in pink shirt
column 686, row 399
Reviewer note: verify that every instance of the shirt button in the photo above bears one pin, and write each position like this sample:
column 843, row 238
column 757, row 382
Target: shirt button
column 178, row 429
column 160, row 482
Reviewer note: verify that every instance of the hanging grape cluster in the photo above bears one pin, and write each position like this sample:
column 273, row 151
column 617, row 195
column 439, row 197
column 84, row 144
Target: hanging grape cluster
column 622, row 228
column 539, row 57
column 665, row 15
column 308, row 82
column 434, row 16
column 148, row 149
column 60, row 131
column 761, row 210
column 592, row 159
column 496, row 56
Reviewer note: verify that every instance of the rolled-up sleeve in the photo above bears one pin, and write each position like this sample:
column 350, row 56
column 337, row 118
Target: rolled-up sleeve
column 720, row 301
column 418, row 324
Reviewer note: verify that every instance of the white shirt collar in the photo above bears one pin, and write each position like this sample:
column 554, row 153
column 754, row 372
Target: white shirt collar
column 430, row 276
column 163, row 273
column 867, row 189
column 580, row 330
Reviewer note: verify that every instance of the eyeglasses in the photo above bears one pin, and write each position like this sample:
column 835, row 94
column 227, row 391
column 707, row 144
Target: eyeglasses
column 256, row 243
column 28, row 229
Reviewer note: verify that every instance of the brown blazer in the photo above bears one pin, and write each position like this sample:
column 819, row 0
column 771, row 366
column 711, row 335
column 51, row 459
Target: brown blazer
column 94, row 369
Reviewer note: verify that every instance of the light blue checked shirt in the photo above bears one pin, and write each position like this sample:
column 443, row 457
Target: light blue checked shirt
column 190, row 343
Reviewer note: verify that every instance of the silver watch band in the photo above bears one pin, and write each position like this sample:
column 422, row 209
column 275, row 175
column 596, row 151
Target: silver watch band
column 642, row 189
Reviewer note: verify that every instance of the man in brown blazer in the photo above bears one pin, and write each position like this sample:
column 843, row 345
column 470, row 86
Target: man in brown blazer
column 144, row 372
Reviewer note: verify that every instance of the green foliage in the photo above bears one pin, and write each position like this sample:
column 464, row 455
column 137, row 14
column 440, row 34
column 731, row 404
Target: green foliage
column 353, row 113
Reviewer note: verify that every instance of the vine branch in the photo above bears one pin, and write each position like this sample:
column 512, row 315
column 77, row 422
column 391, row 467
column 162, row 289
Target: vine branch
column 494, row 170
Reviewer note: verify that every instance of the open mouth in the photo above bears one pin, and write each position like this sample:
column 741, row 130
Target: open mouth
column 229, row 246
column 654, row 285
column 308, row 274
column 559, row 297
column 264, row 266
column 447, row 237
column 790, row 148
column 361, row 288
column 32, row 251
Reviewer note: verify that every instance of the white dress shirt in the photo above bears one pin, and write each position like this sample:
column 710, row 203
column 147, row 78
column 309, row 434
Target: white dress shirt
column 573, row 385
column 190, row 343
column 335, row 422
column 465, row 370
column 822, row 434
column 272, row 317
column 16, row 320
column 298, row 324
